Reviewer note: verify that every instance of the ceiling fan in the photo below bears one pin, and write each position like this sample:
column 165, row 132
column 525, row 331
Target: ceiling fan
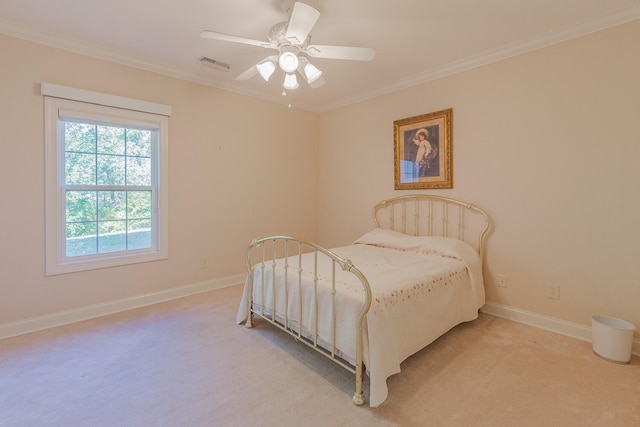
column 292, row 41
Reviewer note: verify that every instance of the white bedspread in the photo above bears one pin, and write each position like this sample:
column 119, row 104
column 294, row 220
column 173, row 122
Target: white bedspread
column 421, row 288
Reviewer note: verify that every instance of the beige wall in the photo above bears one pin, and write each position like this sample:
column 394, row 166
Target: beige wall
column 547, row 142
column 225, row 151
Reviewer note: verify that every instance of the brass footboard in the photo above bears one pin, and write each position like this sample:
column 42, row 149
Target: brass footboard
column 274, row 250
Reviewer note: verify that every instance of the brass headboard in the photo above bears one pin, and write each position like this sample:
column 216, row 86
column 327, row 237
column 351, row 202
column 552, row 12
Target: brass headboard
column 429, row 215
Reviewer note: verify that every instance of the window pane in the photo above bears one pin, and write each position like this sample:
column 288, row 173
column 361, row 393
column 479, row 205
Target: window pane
column 111, row 140
column 79, row 137
column 113, row 209
column 139, row 205
column 138, row 171
column 139, row 236
column 103, row 185
column 110, row 170
column 81, row 239
column 81, row 206
column 112, row 236
column 80, row 169
column 138, row 142
column 112, row 205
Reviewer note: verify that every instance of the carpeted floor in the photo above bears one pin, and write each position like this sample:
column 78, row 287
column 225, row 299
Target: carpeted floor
column 185, row 363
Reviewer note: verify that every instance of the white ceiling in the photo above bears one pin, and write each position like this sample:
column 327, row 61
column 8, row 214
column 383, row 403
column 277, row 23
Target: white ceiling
column 415, row 40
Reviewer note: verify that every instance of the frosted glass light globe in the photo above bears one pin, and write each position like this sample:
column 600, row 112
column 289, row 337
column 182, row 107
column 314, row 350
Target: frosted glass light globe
column 288, row 62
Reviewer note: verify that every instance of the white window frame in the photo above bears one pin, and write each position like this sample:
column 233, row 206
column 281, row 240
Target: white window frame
column 64, row 103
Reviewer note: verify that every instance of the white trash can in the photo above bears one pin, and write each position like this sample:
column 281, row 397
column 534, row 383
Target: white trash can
column 612, row 338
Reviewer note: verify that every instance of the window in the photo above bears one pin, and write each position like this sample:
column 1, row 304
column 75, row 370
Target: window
column 106, row 182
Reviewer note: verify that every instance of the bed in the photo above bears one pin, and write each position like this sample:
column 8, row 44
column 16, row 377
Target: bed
column 369, row 305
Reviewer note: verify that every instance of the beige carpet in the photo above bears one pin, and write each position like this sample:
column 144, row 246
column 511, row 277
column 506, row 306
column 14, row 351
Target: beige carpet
column 185, row 363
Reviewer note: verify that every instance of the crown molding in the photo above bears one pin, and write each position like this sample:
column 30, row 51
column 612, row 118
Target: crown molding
column 608, row 20
column 612, row 19
column 87, row 49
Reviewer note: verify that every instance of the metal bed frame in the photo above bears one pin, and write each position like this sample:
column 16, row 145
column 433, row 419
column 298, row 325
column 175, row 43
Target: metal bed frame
column 417, row 215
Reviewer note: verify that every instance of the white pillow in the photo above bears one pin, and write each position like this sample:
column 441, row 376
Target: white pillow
column 445, row 246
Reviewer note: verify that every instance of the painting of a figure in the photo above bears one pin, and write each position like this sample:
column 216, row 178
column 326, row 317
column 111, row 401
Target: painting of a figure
column 421, row 147
column 423, row 151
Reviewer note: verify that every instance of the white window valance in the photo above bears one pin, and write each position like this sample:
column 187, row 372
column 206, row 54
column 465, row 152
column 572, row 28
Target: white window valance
column 65, row 92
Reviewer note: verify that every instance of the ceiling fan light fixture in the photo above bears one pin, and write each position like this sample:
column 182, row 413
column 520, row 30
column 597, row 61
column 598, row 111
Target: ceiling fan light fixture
column 288, row 61
column 266, row 69
column 290, row 82
column 291, row 39
column 311, row 72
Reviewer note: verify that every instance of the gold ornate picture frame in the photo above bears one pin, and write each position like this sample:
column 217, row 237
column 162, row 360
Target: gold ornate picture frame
column 423, row 151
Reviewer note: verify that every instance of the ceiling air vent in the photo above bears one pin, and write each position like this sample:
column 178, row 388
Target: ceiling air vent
column 214, row 64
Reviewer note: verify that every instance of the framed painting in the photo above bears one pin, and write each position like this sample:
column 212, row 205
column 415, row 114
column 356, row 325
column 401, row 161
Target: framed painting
column 423, row 151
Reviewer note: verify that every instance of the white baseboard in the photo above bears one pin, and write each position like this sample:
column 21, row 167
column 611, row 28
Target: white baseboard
column 39, row 323
column 552, row 324
column 89, row 312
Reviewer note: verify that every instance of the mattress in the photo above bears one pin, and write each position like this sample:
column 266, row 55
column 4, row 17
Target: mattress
column 421, row 288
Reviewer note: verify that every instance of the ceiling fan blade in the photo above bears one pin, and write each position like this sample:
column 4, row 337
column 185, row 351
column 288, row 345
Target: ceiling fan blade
column 341, row 52
column 248, row 74
column 229, row 38
column 303, row 18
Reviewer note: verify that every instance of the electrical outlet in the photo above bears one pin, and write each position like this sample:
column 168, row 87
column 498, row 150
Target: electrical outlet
column 502, row 280
column 553, row 291
column 204, row 264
